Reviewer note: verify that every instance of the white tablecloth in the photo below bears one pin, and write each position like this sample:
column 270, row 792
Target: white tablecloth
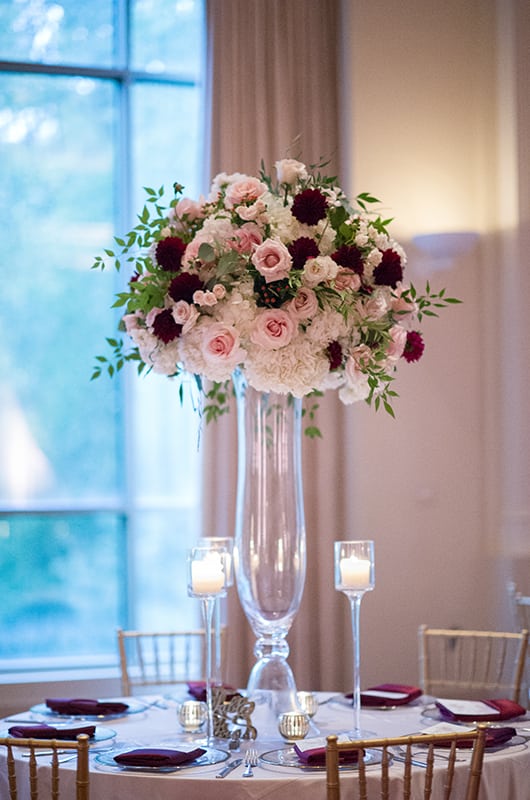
column 506, row 774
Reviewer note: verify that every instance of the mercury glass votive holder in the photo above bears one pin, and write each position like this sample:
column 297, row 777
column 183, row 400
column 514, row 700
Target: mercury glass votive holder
column 293, row 725
column 192, row 715
column 308, row 703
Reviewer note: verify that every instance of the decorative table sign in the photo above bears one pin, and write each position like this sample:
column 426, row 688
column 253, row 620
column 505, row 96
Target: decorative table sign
column 231, row 713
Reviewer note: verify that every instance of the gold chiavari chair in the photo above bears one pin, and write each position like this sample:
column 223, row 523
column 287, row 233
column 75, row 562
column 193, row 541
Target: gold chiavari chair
column 162, row 658
column 521, row 615
column 471, row 664
column 386, row 787
column 16, row 777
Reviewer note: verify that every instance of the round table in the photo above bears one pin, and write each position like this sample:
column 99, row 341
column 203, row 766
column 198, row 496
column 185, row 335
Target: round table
column 505, row 772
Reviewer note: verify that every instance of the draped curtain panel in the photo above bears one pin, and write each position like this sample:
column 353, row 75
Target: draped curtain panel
column 273, row 88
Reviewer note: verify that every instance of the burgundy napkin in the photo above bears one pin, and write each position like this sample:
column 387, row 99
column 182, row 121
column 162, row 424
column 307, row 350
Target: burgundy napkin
column 507, row 708
column 197, row 689
column 66, row 705
column 152, row 757
column 317, row 756
column 411, row 692
column 49, row 732
column 494, row 738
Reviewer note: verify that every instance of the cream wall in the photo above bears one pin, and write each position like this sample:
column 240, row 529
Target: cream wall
column 432, row 89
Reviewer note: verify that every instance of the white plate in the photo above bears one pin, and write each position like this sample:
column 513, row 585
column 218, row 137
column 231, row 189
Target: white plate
column 288, row 757
column 135, row 707
column 100, row 734
column 211, row 756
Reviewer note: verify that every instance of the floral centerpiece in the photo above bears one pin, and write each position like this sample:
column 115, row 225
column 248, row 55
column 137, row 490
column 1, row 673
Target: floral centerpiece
column 282, row 279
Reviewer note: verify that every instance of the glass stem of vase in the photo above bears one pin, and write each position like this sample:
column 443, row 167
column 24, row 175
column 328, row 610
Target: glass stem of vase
column 355, row 603
column 207, row 605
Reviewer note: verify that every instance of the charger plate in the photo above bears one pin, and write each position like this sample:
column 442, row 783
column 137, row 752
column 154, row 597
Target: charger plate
column 288, row 757
column 211, row 756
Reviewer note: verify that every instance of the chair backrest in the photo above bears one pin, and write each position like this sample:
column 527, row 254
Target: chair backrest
column 162, row 658
column 388, row 786
column 50, row 784
column 520, row 607
column 471, row 664
column 521, row 615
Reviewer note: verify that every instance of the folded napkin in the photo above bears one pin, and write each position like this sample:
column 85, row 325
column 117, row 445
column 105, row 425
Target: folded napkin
column 389, row 694
column 152, row 757
column 49, row 732
column 313, row 753
column 197, row 689
column 481, row 711
column 66, row 705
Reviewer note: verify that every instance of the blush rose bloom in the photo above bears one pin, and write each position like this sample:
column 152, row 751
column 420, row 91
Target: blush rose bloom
column 221, row 343
column 397, row 343
column 273, row 328
column 244, row 190
column 272, row 260
column 184, row 314
column 247, row 237
column 404, row 309
column 304, row 305
column 347, row 279
column 289, row 171
column 191, row 209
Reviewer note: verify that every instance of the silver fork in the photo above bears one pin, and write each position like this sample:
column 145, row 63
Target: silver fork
column 251, row 760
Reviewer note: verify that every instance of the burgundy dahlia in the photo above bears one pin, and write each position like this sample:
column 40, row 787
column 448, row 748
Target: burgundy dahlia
column 309, row 206
column 165, row 327
column 334, row 352
column 389, row 271
column 302, row 249
column 350, row 257
column 184, row 286
column 169, row 253
column 414, row 346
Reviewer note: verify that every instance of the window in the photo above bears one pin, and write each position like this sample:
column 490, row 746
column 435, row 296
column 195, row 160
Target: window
column 99, row 481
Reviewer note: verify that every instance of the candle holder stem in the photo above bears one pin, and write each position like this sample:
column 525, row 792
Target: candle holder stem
column 207, row 607
column 217, row 670
column 355, row 604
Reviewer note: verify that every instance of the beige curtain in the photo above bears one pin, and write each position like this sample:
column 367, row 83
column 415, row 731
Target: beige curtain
column 273, row 93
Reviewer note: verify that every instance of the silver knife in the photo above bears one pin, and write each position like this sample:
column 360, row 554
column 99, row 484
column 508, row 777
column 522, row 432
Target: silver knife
column 229, row 767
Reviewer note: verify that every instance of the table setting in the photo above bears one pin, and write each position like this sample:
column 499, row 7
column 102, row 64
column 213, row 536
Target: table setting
column 153, row 747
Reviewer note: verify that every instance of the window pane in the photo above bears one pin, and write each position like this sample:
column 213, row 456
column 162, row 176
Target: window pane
column 56, row 150
column 168, row 151
column 63, row 580
column 161, row 539
column 66, row 32
column 166, row 36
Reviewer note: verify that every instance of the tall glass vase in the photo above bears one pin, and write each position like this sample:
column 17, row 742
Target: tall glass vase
column 270, row 542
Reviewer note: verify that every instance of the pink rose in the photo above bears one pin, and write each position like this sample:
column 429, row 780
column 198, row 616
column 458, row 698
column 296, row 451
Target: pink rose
column 402, row 308
column 347, row 279
column 273, row 328
column 397, row 342
column 247, row 237
column 272, row 259
column 220, row 342
column 191, row 209
column 184, row 314
column 304, row 305
column 244, row 190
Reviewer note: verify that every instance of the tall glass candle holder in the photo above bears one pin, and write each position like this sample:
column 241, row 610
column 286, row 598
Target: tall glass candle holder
column 354, row 575
column 219, row 543
column 207, row 582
